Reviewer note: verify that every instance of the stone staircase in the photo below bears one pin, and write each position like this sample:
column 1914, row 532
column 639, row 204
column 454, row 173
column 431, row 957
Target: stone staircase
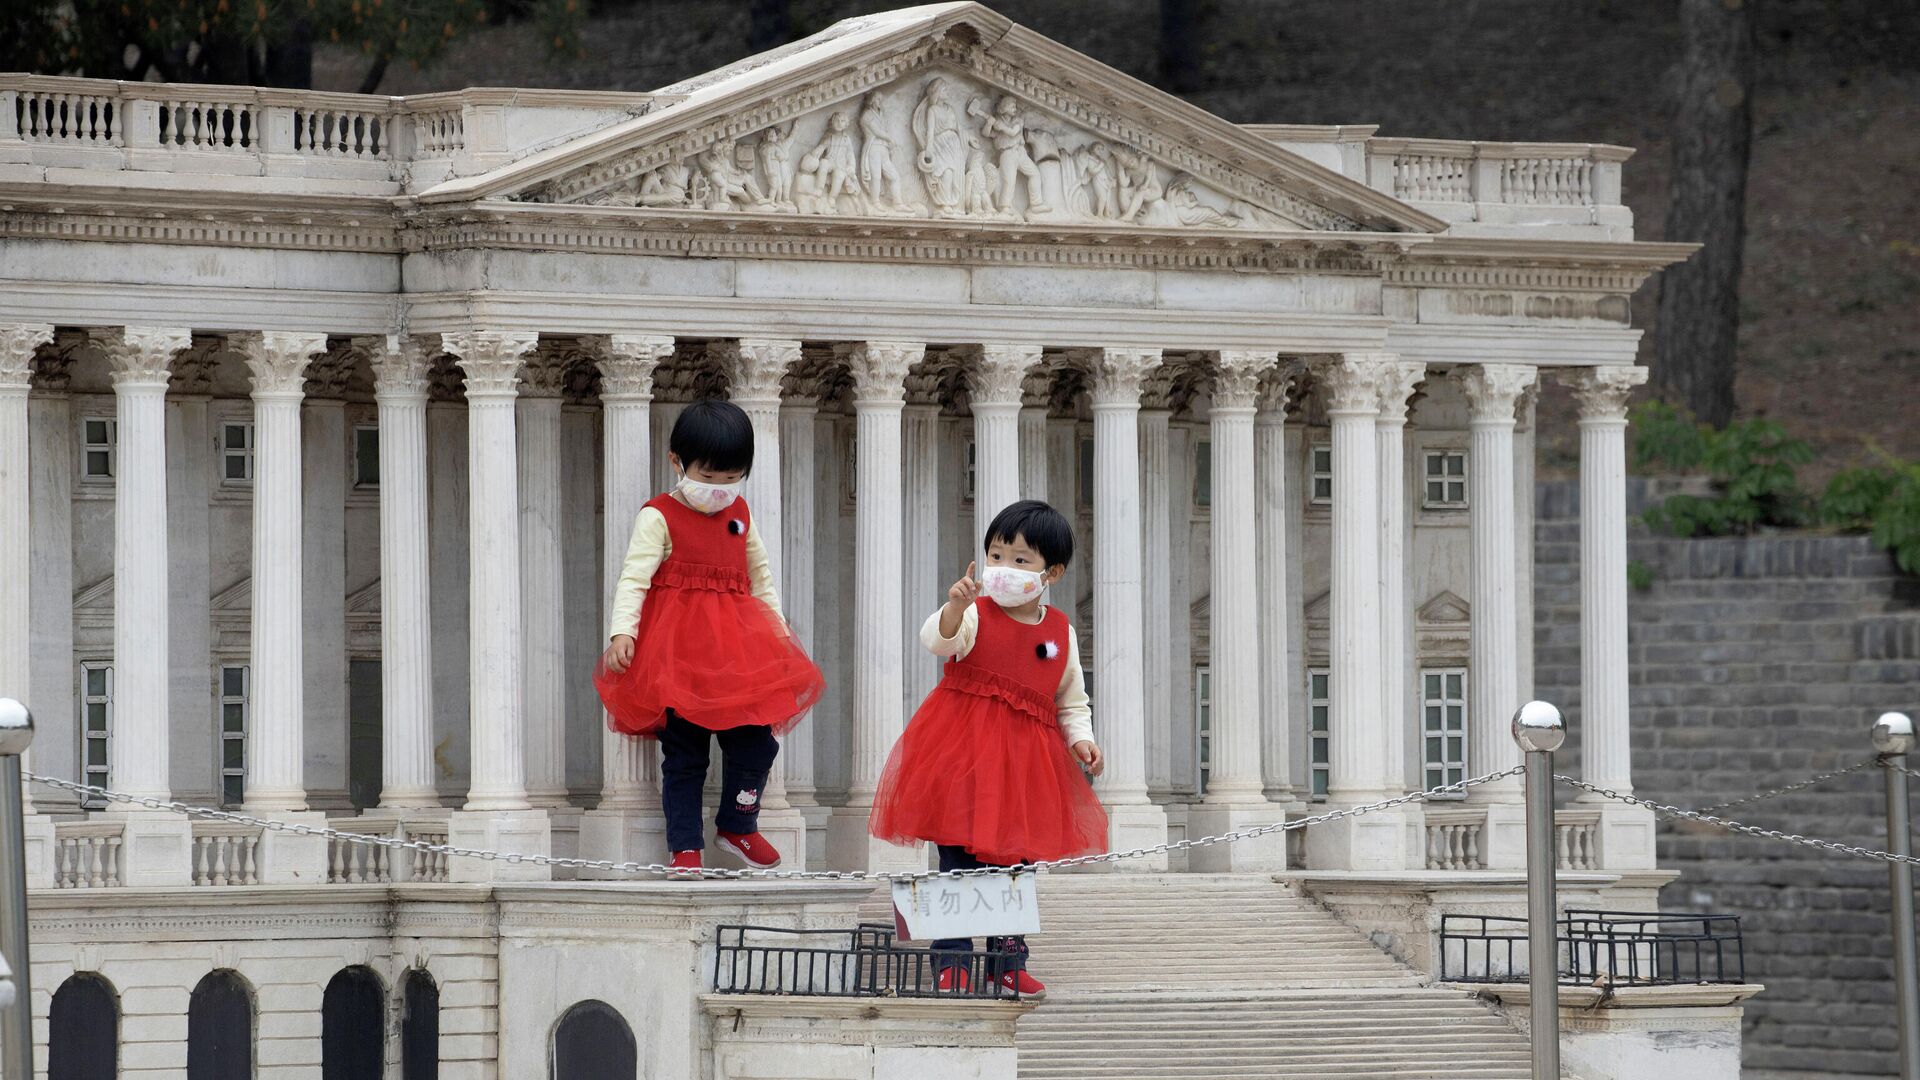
column 1216, row 976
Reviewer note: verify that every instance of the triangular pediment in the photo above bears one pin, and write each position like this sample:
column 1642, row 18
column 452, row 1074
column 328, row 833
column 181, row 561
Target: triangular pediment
column 365, row 601
column 945, row 113
column 1445, row 609
column 235, row 597
column 95, row 597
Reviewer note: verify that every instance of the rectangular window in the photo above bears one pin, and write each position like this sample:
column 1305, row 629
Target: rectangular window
column 1443, row 725
column 1202, row 473
column 1320, row 482
column 236, row 452
column 366, row 456
column 99, row 435
column 969, row 474
column 1319, row 710
column 233, row 735
column 1202, row 725
column 96, row 726
column 1086, row 472
column 1445, row 477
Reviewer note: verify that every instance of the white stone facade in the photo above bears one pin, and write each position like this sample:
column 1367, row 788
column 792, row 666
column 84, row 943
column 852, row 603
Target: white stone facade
column 333, row 410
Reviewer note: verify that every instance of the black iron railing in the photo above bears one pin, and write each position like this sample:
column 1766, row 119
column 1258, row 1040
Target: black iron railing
column 863, row 962
column 1617, row 948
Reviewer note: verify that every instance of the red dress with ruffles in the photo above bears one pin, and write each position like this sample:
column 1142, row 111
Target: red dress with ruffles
column 984, row 764
column 706, row 647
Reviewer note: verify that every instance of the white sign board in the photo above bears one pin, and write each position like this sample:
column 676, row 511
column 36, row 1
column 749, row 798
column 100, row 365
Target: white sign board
column 977, row 905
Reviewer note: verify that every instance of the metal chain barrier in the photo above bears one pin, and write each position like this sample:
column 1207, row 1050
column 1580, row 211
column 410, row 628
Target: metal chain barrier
column 1791, row 788
column 660, row 869
column 1680, row 813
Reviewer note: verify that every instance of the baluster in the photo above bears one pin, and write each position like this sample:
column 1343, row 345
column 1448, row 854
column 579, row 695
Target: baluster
column 1473, row 847
column 96, row 865
column 253, row 859
column 112, row 852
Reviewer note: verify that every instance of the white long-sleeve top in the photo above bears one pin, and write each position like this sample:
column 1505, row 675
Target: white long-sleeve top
column 1076, row 714
column 650, row 546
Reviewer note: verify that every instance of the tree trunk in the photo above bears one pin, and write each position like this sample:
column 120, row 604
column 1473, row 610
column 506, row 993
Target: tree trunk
column 1181, row 23
column 1696, row 337
column 769, row 23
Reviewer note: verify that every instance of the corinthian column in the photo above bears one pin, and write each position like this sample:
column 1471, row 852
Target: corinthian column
column 627, row 826
column 1120, row 721
column 1033, row 435
column 754, row 369
column 798, row 416
column 1397, row 382
column 879, row 370
column 1156, row 594
column 400, row 381
column 1626, row 832
column 1493, row 391
column 1276, row 674
column 497, row 814
column 542, row 579
column 155, row 844
column 1235, row 795
column 923, row 587
column 18, row 343
column 994, row 397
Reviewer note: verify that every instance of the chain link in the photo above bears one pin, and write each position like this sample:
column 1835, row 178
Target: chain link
column 1887, row 762
column 1791, row 788
column 1682, row 813
column 608, row 865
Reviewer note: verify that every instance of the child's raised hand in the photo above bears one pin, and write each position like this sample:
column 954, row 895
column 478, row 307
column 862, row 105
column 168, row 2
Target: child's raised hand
column 619, row 654
column 966, row 590
column 1090, row 756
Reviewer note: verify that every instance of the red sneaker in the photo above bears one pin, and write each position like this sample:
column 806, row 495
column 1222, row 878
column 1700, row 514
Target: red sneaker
column 685, row 860
column 954, row 980
column 1023, row 984
column 752, row 847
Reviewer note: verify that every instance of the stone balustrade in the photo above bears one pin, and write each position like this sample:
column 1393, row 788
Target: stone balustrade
column 1576, row 838
column 347, row 143
column 1454, row 838
column 1532, row 184
column 226, row 854
column 86, row 854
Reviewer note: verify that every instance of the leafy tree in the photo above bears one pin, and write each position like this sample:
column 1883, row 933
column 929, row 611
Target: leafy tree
column 263, row 42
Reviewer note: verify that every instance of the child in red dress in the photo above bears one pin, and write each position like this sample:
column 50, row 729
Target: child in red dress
column 708, row 655
column 990, row 767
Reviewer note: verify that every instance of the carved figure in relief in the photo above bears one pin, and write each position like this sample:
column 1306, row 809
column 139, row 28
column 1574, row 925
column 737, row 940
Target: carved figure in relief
column 1139, row 182
column 877, row 172
column 943, row 140
column 1008, row 131
column 835, row 163
column 983, row 179
column 774, row 154
column 1100, row 197
column 668, row 185
column 727, row 181
column 1181, row 205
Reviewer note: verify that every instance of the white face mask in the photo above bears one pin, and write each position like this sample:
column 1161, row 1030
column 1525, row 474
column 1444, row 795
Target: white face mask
column 708, row 498
column 1010, row 587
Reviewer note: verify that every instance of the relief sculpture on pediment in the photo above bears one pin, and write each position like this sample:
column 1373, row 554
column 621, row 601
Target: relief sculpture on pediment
column 937, row 145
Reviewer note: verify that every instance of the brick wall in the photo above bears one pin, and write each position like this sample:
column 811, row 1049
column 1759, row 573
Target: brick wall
column 1758, row 662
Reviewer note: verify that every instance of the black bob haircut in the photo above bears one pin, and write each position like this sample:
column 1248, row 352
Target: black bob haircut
column 713, row 433
column 1044, row 529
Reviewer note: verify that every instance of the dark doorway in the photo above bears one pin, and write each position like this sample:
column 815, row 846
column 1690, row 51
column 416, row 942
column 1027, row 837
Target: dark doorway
column 353, row 1026
column 419, row 1026
column 363, row 733
column 592, row 1042
column 84, row 1030
column 220, row 1028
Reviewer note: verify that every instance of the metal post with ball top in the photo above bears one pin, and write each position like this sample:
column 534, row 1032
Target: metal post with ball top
column 1539, row 730
column 16, row 1020
column 1892, row 738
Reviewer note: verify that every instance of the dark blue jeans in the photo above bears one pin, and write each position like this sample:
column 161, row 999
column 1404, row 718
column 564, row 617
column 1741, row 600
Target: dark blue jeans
column 955, row 857
column 746, row 754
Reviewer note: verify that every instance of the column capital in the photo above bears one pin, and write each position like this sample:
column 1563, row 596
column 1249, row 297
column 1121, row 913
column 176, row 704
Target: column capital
column 999, row 372
column 1237, row 374
column 879, row 368
column 755, row 366
column 544, row 375
column 1493, row 390
column 18, row 343
column 1397, row 381
column 278, row 359
column 1119, row 375
column 402, row 366
column 140, row 355
column 1602, row 391
column 490, row 359
column 627, row 363
column 1353, row 381
column 328, row 375
column 1276, row 390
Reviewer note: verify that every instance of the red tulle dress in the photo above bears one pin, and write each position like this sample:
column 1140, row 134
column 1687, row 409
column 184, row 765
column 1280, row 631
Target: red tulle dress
column 984, row 764
column 706, row 647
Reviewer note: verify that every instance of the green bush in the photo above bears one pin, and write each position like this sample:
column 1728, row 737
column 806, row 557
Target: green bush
column 1882, row 500
column 1752, row 465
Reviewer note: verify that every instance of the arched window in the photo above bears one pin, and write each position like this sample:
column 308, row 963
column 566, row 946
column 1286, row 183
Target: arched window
column 84, row 1030
column 353, row 1026
column 592, row 1042
column 419, row 1026
column 220, row 1028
